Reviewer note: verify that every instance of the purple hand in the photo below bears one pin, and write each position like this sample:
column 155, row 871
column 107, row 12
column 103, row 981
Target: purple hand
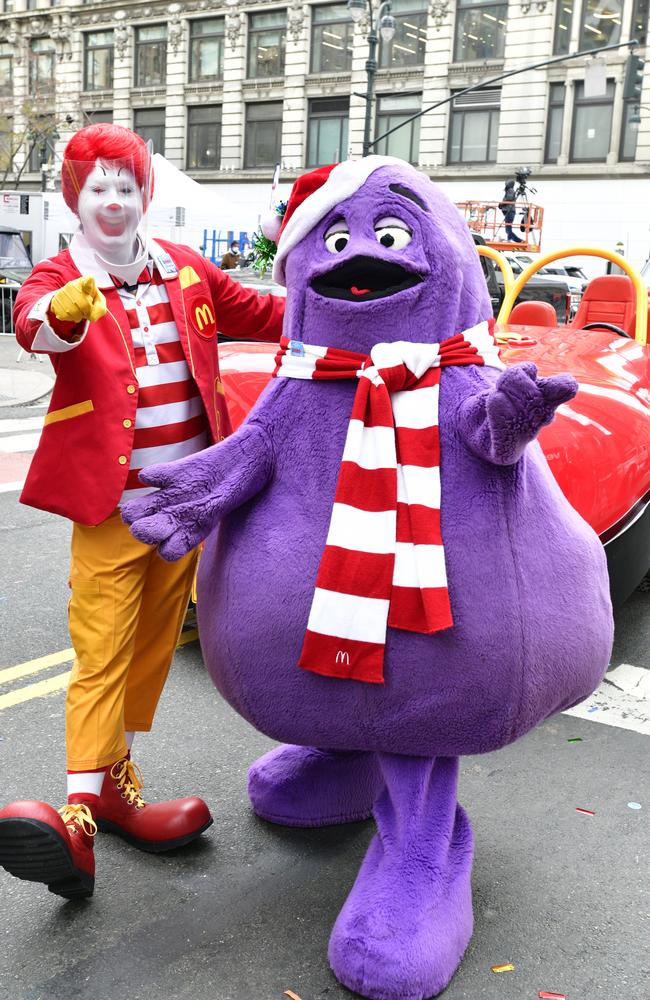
column 499, row 423
column 196, row 492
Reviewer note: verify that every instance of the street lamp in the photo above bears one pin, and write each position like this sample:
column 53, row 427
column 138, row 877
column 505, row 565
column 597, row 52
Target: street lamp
column 383, row 18
column 635, row 118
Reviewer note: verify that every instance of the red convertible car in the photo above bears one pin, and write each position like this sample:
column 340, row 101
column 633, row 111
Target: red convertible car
column 598, row 446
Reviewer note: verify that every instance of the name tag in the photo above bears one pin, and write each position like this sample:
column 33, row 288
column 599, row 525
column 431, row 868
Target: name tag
column 297, row 349
column 166, row 263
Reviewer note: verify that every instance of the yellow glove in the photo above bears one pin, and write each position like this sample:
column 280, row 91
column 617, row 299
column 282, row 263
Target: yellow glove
column 79, row 300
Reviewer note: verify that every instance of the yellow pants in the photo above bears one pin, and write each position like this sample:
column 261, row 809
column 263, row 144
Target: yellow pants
column 125, row 616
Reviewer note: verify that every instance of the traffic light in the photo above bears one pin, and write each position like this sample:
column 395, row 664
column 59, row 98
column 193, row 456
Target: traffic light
column 633, row 78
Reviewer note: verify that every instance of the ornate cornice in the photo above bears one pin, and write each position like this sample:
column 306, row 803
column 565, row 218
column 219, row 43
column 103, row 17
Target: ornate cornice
column 121, row 36
column 234, row 25
column 60, row 31
column 148, row 95
column 296, row 15
column 272, row 88
column 175, row 27
column 438, row 10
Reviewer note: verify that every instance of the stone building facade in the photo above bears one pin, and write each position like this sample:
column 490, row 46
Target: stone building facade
column 226, row 89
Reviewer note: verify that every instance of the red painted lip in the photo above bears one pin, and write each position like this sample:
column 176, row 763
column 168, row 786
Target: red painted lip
column 111, row 227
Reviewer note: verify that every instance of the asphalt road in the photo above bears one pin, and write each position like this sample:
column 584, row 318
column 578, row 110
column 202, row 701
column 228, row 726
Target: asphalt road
column 246, row 913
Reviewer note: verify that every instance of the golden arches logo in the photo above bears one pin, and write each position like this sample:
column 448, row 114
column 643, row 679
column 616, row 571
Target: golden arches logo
column 203, row 316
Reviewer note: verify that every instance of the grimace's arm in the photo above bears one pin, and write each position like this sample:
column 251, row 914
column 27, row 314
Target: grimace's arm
column 196, row 492
column 498, row 423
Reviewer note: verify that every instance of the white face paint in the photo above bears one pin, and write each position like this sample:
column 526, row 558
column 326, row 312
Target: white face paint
column 110, row 208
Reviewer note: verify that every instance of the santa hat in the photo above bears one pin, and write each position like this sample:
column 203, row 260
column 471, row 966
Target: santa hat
column 315, row 194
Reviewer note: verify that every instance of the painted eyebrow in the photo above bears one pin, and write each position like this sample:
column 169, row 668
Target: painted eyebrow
column 406, row 193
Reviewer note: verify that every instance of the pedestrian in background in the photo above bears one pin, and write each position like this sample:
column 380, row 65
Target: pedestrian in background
column 509, row 208
column 231, row 258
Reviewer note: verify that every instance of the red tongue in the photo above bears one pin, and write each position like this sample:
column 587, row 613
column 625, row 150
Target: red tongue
column 359, row 291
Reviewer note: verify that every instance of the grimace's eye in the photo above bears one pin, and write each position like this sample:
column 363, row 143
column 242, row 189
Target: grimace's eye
column 392, row 233
column 337, row 238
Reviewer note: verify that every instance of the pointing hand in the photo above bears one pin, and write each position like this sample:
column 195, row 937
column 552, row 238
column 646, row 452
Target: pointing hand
column 79, row 300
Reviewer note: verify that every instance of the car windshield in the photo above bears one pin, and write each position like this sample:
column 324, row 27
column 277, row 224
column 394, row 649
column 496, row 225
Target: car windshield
column 576, row 272
column 12, row 251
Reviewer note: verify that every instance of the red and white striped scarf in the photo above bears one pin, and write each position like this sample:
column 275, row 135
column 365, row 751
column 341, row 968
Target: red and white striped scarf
column 384, row 561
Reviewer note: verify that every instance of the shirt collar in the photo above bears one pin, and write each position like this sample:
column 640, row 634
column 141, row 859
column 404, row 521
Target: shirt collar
column 84, row 259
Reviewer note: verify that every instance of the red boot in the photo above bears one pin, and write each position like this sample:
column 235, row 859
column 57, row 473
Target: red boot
column 158, row 827
column 39, row 844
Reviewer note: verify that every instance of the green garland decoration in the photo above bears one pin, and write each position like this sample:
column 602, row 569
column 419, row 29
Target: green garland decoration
column 264, row 249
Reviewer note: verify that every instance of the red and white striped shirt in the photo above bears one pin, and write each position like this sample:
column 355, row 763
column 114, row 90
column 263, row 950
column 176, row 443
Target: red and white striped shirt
column 170, row 420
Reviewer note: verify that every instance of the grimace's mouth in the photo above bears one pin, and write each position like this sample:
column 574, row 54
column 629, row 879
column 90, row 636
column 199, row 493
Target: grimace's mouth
column 361, row 279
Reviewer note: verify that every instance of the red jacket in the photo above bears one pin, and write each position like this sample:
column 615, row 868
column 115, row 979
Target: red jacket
column 82, row 460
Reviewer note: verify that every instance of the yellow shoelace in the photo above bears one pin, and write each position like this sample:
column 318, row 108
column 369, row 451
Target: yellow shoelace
column 79, row 814
column 129, row 781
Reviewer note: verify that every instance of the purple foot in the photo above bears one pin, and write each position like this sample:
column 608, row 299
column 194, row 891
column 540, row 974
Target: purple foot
column 405, row 925
column 302, row 786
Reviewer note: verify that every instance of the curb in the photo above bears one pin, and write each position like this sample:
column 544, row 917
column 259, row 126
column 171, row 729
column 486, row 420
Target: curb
column 43, row 387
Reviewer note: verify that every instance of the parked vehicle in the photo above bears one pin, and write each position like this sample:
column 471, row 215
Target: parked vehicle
column 597, row 447
column 540, row 288
column 15, row 266
column 520, row 261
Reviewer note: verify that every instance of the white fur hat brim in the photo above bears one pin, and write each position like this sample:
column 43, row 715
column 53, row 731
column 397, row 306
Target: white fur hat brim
column 343, row 181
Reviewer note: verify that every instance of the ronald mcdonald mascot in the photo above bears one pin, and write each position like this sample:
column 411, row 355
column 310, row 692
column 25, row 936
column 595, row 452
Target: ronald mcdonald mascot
column 130, row 325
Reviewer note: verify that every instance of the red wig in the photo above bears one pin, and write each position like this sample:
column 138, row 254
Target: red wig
column 108, row 143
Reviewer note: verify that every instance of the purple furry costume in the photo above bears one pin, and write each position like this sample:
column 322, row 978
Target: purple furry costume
column 527, row 581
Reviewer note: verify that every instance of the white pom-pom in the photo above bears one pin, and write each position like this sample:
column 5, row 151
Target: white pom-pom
column 270, row 224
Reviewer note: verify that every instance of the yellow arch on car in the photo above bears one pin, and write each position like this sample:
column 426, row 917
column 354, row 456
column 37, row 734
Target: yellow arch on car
column 503, row 262
column 641, row 331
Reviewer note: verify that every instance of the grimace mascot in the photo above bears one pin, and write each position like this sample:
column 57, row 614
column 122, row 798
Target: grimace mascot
column 397, row 579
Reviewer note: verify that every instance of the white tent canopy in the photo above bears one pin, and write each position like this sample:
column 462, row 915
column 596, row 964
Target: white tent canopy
column 182, row 209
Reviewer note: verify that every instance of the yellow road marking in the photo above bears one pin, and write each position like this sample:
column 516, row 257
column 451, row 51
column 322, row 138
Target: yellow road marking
column 59, row 681
column 33, row 666
column 35, row 690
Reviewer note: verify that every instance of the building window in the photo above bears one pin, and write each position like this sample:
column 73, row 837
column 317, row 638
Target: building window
column 629, row 131
column 42, row 138
column 95, row 117
column 7, row 150
column 6, row 68
column 592, row 125
column 266, row 37
column 206, row 49
column 41, row 65
column 392, row 111
column 151, row 55
column 263, row 134
column 480, row 30
column 474, row 127
column 640, row 19
column 554, row 122
column 98, row 65
column 149, row 123
column 331, row 39
column 327, row 136
column 407, row 46
column 601, row 23
column 563, row 23
column 204, row 137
